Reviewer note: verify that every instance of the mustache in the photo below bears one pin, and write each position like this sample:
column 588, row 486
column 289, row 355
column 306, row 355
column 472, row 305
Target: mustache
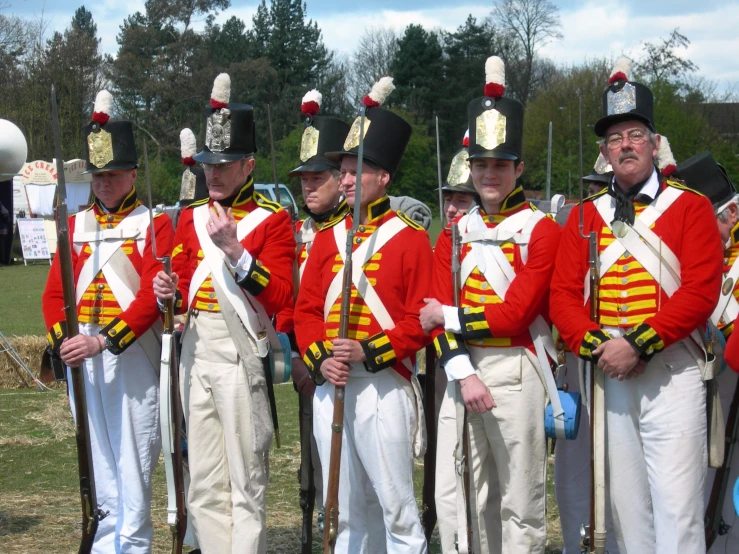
column 627, row 156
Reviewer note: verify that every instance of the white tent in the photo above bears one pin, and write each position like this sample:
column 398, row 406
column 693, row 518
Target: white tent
column 39, row 179
column 20, row 201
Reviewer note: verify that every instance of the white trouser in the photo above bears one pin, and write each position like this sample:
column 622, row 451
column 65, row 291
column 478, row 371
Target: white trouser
column 228, row 481
column 728, row 543
column 511, row 439
column 377, row 507
column 123, row 416
column 657, row 456
column 572, row 475
column 451, row 520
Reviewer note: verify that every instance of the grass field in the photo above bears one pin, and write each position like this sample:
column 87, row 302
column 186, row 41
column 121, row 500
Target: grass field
column 20, row 300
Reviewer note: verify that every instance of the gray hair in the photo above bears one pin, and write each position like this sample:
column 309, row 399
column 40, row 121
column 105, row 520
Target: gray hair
column 723, row 211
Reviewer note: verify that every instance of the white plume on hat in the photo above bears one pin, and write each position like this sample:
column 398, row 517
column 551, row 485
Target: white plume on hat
column 221, row 89
column 313, row 96
column 621, row 70
column 495, row 70
column 103, row 102
column 380, row 91
column 188, row 146
column 601, row 165
column 665, row 160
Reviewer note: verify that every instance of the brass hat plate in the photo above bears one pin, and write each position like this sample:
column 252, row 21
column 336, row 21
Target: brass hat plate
column 459, row 171
column 218, row 131
column 187, row 189
column 352, row 139
column 490, row 129
column 309, row 143
column 622, row 101
column 100, row 145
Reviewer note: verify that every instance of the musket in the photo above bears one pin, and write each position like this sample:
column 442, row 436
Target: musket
column 265, row 361
column 714, row 522
column 438, row 172
column 170, row 407
column 91, row 514
column 331, row 529
column 594, row 537
column 466, row 469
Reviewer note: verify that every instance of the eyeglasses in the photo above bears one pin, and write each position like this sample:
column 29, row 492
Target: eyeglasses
column 636, row 137
column 219, row 167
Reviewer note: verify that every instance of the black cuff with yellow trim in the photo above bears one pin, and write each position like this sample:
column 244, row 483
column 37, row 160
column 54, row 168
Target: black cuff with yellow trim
column 177, row 303
column 55, row 336
column 118, row 336
column 256, row 279
column 448, row 345
column 645, row 341
column 592, row 340
column 473, row 323
column 313, row 358
column 378, row 352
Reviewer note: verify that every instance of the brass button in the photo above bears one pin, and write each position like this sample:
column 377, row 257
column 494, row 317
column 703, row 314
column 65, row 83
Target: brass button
column 101, row 286
column 624, row 308
column 624, row 294
column 466, row 311
column 639, row 341
column 726, row 261
column 109, row 218
column 624, row 320
column 361, row 228
column 378, row 360
column 109, row 226
column 484, row 286
column 469, row 327
column 358, row 240
column 98, row 296
column 210, row 306
column 212, row 295
column 113, row 332
column 96, row 310
column 95, row 319
column 626, row 268
column 371, row 345
column 625, row 280
column 482, row 299
column 626, row 255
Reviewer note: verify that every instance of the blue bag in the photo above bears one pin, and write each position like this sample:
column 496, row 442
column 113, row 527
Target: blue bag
column 571, row 405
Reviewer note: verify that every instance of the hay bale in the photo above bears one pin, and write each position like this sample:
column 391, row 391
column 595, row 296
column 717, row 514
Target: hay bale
column 29, row 348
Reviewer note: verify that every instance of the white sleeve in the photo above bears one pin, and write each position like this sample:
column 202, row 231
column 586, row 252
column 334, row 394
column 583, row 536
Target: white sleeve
column 242, row 266
column 451, row 319
column 459, row 367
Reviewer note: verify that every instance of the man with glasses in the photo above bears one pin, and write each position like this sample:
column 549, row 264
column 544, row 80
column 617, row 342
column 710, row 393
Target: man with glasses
column 116, row 349
column 232, row 270
column 659, row 280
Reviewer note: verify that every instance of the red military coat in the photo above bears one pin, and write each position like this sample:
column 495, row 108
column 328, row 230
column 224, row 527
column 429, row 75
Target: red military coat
column 399, row 274
column 271, row 244
column 487, row 320
column 688, row 228
column 98, row 304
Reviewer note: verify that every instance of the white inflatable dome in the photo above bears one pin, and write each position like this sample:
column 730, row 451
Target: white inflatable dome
column 13, row 149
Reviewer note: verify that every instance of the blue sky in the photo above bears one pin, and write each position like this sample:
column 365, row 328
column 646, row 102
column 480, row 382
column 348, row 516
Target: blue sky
column 590, row 28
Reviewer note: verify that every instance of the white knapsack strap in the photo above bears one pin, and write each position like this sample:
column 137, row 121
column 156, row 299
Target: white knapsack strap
column 133, row 226
column 243, row 229
column 727, row 304
column 369, row 247
column 250, row 311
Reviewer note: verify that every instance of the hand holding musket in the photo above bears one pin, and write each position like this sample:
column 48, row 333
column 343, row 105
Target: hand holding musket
column 91, row 514
column 170, row 407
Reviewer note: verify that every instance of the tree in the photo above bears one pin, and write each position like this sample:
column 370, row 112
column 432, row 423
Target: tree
column 418, row 73
column 534, row 23
column 371, row 60
column 661, row 61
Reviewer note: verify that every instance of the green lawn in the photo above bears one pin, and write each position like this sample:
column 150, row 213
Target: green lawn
column 20, row 300
column 39, row 502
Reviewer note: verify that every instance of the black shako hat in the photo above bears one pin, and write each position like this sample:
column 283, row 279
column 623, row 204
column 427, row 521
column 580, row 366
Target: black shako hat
column 625, row 100
column 109, row 145
column 386, row 134
column 495, row 122
column 194, row 186
column 230, row 133
column 322, row 134
column 707, row 176
column 459, row 178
